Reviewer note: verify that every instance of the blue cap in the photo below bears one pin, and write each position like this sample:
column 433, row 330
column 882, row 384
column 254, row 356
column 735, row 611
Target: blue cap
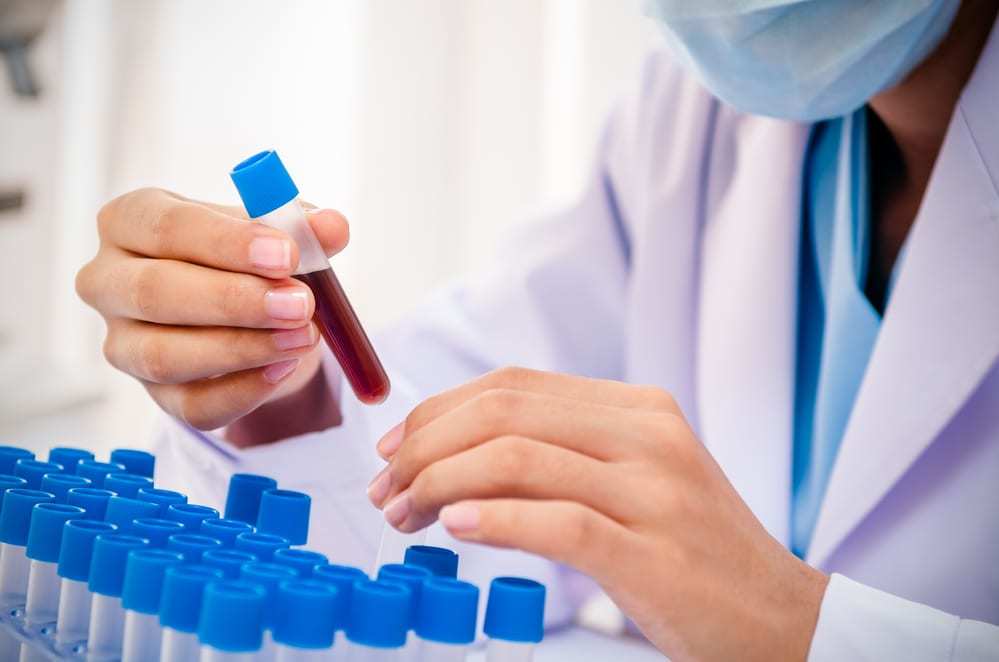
column 516, row 610
column 232, row 616
column 9, row 455
column 97, row 471
column 243, row 499
column 379, row 614
column 156, row 530
column 343, row 577
column 306, row 612
column 163, row 498
column 33, row 470
column 409, row 575
column 8, row 482
column 69, row 457
column 107, row 566
column 15, row 520
column 77, row 548
column 269, row 576
column 59, row 484
column 263, row 183
column 122, row 510
column 45, row 535
column 303, row 561
column 93, row 500
column 229, row 561
column 262, row 544
column 440, row 561
column 448, row 610
column 225, row 530
column 136, row 462
column 144, row 572
column 190, row 515
column 125, row 484
column 285, row 513
column 192, row 545
column 180, row 602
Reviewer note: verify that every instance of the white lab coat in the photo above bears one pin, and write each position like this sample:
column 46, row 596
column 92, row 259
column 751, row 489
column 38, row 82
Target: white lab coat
column 678, row 267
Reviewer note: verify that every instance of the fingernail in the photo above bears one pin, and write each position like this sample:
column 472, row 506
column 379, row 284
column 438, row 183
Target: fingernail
column 275, row 372
column 460, row 517
column 379, row 487
column 286, row 303
column 294, row 338
column 389, row 444
column 398, row 509
column 270, row 253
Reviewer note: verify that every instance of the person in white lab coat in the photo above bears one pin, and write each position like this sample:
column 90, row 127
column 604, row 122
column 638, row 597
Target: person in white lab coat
column 760, row 401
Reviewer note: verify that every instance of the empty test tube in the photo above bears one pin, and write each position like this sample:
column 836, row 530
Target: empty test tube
column 378, row 621
column 192, row 545
column 9, row 455
column 268, row 576
column 140, row 597
column 107, row 578
column 33, row 471
column 96, row 471
column 445, row 619
column 136, row 462
column 59, row 485
column 157, row 531
column 285, row 513
column 514, row 619
column 75, row 554
column 162, row 498
column 412, row 577
column 180, row 610
column 126, row 485
column 123, row 511
column 304, row 627
column 229, row 561
column 242, row 501
column 302, row 561
column 69, row 457
column 91, row 499
column 225, row 530
column 190, row 515
column 440, row 561
column 231, row 625
column 263, row 545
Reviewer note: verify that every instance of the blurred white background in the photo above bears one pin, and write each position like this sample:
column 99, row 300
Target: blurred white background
column 435, row 125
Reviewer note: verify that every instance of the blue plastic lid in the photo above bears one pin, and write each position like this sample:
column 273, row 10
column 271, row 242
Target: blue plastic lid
column 440, row 561
column 409, row 575
column 156, row 530
column 262, row 544
column 448, row 611
column 269, row 576
column 9, row 455
column 192, row 545
column 229, row 561
column 144, row 572
column 45, row 533
column 107, row 566
column 15, row 520
column 69, row 457
column 343, row 577
column 8, row 482
column 93, row 500
column 263, row 183
column 97, row 471
column 306, row 612
column 190, row 515
column 232, row 616
column 183, row 587
column 225, row 530
column 59, row 485
column 136, row 462
column 379, row 614
column 33, row 470
column 285, row 513
column 303, row 561
column 516, row 610
column 122, row 510
column 77, row 547
column 126, row 485
column 242, row 502
column 163, row 498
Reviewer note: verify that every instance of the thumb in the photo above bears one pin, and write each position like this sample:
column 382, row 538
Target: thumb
column 330, row 227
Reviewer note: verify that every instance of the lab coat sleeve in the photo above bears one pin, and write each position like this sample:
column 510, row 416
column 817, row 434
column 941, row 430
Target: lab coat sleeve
column 857, row 622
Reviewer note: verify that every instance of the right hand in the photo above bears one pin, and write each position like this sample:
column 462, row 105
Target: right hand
column 200, row 306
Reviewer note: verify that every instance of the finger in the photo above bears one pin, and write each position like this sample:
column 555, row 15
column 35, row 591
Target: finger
column 166, row 354
column 331, row 229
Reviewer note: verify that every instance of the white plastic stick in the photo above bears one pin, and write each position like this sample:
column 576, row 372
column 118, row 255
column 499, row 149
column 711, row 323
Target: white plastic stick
column 209, row 654
column 14, row 570
column 394, row 544
column 179, row 646
column 107, row 624
column 42, row 604
column 291, row 654
column 73, row 619
column 142, row 638
column 435, row 651
column 357, row 653
column 500, row 650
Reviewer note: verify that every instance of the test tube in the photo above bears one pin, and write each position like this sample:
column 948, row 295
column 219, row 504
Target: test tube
column 412, row 577
column 285, row 513
column 180, row 610
column 225, row 530
column 107, row 578
column 242, row 500
column 157, row 531
column 60, row 484
column 378, row 621
column 190, row 515
column 136, row 462
column 69, row 457
column 162, row 498
column 302, row 561
column 229, row 561
column 305, row 623
column 514, row 619
column 97, row 471
column 231, row 625
column 263, row 545
column 9, row 455
column 268, row 576
column 343, row 577
column 75, row 554
column 123, row 511
column 91, row 499
column 33, row 470
column 271, row 197
column 192, row 545
column 440, row 561
column 140, row 597
column 445, row 619
column 126, row 485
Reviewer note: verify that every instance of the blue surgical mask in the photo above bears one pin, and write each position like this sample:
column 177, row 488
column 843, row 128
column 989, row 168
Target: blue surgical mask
column 802, row 59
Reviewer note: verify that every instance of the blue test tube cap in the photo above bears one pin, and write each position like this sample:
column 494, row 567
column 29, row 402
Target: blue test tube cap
column 262, row 544
column 126, row 484
column 242, row 502
column 447, row 611
column 306, row 612
column 156, row 530
column 379, row 614
column 232, row 616
column 144, row 572
column 59, row 485
column 48, row 521
column 515, row 610
column 303, row 561
column 225, row 530
column 192, row 545
column 9, row 455
column 190, row 515
column 97, row 471
column 136, row 462
column 285, row 513
column 107, row 565
column 343, row 577
column 91, row 499
column 10, row 482
column 440, row 561
column 33, row 470
column 269, row 576
column 69, row 457
column 122, row 511
column 412, row 577
column 180, row 601
column 15, row 520
column 229, row 561
column 162, row 498
column 76, row 549
column 263, row 183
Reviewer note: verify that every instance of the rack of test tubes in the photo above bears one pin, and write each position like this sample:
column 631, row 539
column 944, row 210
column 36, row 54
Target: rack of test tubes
column 98, row 563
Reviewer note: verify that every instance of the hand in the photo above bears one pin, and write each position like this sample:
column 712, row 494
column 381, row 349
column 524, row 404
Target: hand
column 609, row 478
column 200, row 306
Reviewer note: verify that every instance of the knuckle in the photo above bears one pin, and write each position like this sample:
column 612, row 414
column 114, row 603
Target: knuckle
column 496, row 406
column 508, row 376
column 164, row 229
column 510, row 458
column 145, row 289
column 578, row 527
column 151, row 359
column 84, row 283
column 658, row 398
column 109, row 348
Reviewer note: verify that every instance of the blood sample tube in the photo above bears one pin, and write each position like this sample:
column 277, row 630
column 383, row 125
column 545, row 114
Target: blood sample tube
column 514, row 619
column 271, row 197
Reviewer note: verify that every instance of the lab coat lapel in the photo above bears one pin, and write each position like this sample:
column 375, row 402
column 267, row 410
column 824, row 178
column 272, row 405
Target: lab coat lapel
column 940, row 333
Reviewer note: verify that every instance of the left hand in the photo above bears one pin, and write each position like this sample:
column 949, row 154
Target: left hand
column 609, row 478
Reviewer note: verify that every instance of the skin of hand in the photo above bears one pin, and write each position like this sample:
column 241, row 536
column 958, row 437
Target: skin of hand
column 200, row 305
column 608, row 478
